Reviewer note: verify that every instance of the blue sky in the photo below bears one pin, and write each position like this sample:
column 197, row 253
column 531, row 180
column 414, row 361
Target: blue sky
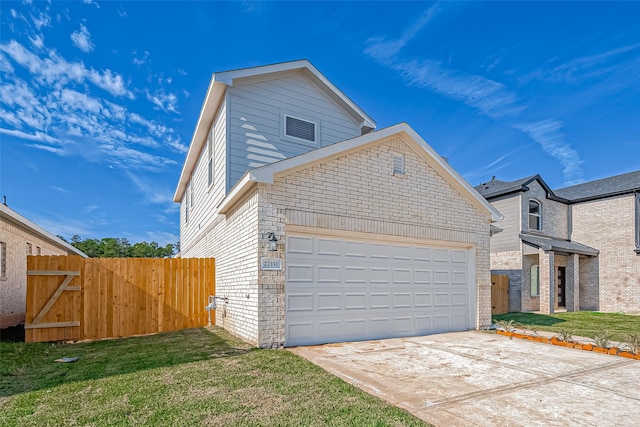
column 99, row 100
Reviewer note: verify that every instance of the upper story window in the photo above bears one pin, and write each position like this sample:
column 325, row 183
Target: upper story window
column 29, row 249
column 300, row 129
column 210, row 158
column 186, row 203
column 535, row 215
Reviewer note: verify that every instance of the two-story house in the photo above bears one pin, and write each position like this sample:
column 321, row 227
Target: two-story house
column 323, row 228
column 576, row 247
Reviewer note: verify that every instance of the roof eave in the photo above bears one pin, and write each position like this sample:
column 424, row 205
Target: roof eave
column 35, row 229
column 210, row 105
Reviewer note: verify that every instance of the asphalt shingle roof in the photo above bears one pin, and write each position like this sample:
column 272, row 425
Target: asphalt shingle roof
column 496, row 187
column 618, row 184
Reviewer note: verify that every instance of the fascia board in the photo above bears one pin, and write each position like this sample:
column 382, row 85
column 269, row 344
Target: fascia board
column 455, row 179
column 210, row 105
column 34, row 229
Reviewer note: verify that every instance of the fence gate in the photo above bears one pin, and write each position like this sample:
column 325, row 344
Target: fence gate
column 499, row 294
column 74, row 298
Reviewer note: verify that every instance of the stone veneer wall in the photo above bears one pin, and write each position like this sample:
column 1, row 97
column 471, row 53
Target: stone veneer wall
column 357, row 192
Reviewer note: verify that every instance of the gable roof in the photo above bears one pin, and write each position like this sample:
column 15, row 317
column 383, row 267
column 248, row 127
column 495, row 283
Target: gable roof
column 266, row 174
column 18, row 220
column 220, row 81
column 606, row 187
column 496, row 187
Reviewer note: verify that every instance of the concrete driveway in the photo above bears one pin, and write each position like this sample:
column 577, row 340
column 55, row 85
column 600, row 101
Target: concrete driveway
column 481, row 379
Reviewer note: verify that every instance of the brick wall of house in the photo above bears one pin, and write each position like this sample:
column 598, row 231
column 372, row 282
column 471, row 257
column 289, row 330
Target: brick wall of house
column 589, row 283
column 233, row 242
column 619, row 265
column 13, row 287
column 358, row 192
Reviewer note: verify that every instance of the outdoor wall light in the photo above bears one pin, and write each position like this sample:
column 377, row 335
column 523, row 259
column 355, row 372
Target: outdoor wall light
column 273, row 242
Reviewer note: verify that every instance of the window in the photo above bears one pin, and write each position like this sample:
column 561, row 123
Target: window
column 398, row 164
column 29, row 249
column 210, row 157
column 186, row 205
column 535, row 280
column 38, row 250
column 3, row 260
column 535, row 215
column 299, row 129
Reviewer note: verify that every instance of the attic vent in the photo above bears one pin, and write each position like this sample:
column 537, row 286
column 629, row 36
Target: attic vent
column 398, row 164
column 299, row 128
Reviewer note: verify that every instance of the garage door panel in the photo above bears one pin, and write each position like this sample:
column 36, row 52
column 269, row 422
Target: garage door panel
column 401, row 276
column 402, row 300
column 380, row 275
column 300, row 302
column 380, row 300
column 441, row 299
column 328, row 274
column 423, row 299
column 459, row 278
column 441, row 255
column 355, row 275
column 329, row 301
column 356, row 249
column 422, row 254
column 329, row 247
column 355, row 301
column 347, row 289
column 459, row 299
column 300, row 273
column 300, row 245
column 422, row 277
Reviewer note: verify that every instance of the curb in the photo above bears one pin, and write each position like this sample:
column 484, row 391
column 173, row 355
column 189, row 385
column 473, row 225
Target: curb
column 613, row 351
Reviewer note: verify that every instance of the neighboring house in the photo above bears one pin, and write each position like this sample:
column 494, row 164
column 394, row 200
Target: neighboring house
column 19, row 238
column 576, row 247
column 324, row 230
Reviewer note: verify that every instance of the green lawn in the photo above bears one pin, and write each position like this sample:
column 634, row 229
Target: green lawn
column 579, row 323
column 191, row 377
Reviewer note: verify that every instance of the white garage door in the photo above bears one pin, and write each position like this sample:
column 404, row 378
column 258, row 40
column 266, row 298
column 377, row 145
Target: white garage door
column 341, row 289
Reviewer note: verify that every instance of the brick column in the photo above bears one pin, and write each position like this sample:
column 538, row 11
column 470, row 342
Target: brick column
column 573, row 282
column 547, row 280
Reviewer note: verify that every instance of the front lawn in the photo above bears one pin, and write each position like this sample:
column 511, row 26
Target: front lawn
column 580, row 323
column 190, row 377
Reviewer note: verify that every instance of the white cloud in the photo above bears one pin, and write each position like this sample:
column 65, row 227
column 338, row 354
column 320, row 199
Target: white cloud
column 56, row 70
column 140, row 60
column 547, row 134
column 164, row 101
column 82, row 39
column 41, row 20
column 37, row 136
column 37, row 41
column 385, row 50
column 91, row 2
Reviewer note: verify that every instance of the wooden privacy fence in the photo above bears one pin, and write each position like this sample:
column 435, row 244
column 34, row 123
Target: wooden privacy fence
column 499, row 294
column 75, row 298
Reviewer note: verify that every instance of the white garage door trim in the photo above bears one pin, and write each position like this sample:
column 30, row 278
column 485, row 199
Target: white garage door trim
column 344, row 286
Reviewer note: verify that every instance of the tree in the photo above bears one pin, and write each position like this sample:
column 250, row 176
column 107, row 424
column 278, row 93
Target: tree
column 111, row 247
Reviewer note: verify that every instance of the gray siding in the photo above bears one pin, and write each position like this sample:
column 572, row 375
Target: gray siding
column 507, row 240
column 255, row 115
column 205, row 197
